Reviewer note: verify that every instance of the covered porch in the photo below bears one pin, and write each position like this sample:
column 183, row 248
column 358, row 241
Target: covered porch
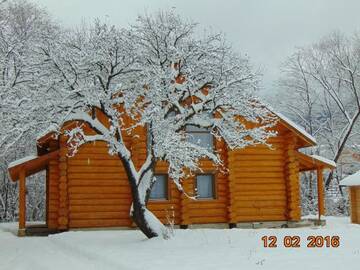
column 318, row 164
column 18, row 171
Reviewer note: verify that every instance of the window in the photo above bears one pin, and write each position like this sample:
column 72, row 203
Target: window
column 159, row 190
column 205, row 186
column 201, row 137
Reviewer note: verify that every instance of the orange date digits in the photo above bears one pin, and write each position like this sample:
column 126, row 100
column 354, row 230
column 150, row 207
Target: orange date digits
column 269, row 241
column 319, row 241
column 294, row 241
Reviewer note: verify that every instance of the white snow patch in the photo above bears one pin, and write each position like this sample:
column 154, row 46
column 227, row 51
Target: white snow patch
column 351, row 180
column 200, row 249
column 325, row 160
column 50, row 129
column 21, row 160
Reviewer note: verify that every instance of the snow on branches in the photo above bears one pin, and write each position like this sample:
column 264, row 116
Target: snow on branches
column 160, row 75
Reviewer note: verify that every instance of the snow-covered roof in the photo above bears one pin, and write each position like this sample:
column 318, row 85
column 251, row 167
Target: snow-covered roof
column 324, row 160
column 351, row 180
column 52, row 128
column 21, row 160
column 296, row 127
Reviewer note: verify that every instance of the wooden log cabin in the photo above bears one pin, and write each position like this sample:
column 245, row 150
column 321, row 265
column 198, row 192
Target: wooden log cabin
column 90, row 189
column 353, row 183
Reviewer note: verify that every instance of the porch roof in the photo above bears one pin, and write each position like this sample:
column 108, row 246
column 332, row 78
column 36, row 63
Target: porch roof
column 31, row 165
column 314, row 162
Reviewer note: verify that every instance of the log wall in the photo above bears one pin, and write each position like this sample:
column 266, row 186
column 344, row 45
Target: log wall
column 257, row 183
column 355, row 204
column 91, row 189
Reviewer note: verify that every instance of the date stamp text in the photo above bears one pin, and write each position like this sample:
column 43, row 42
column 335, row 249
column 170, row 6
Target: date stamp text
column 294, row 241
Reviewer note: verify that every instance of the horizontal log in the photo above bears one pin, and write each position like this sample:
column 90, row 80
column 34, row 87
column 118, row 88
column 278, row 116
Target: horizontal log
column 256, row 197
column 219, row 205
column 260, row 187
column 99, row 208
column 53, row 203
column 240, row 181
column 96, row 176
column 239, row 157
column 200, row 201
column 123, row 196
column 254, row 169
column 52, row 215
column 251, row 211
column 93, row 150
column 100, row 215
column 261, row 204
column 96, row 169
column 93, row 156
column 260, row 193
column 94, row 162
column 126, row 222
column 209, row 212
column 98, row 201
column 260, row 163
column 257, row 175
column 52, row 196
column 97, row 190
column 244, row 218
column 99, row 183
column 205, row 220
column 169, row 206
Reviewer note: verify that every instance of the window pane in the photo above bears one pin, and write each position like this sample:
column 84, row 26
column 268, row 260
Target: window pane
column 159, row 189
column 202, row 139
column 205, row 186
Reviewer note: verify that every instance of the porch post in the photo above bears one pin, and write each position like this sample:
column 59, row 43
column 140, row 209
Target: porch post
column 320, row 189
column 22, row 203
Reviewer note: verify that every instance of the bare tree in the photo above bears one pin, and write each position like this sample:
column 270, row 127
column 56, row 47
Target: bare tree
column 23, row 27
column 326, row 76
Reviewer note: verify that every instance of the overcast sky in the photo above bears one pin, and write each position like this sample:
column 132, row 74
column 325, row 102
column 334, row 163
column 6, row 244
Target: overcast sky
column 267, row 30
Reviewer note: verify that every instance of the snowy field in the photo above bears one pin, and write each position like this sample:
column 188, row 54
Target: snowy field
column 188, row 249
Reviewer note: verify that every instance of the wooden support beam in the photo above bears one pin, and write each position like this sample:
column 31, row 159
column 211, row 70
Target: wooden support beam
column 320, row 189
column 63, row 209
column 291, row 171
column 353, row 205
column 22, row 203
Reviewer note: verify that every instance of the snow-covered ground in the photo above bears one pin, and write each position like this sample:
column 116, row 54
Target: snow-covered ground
column 197, row 249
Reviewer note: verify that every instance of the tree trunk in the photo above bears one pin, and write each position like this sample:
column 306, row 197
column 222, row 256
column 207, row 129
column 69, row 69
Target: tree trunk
column 146, row 221
column 341, row 145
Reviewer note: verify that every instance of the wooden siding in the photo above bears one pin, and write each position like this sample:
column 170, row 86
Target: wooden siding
column 91, row 189
column 355, row 204
column 53, row 194
column 52, row 189
column 257, row 181
column 99, row 194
